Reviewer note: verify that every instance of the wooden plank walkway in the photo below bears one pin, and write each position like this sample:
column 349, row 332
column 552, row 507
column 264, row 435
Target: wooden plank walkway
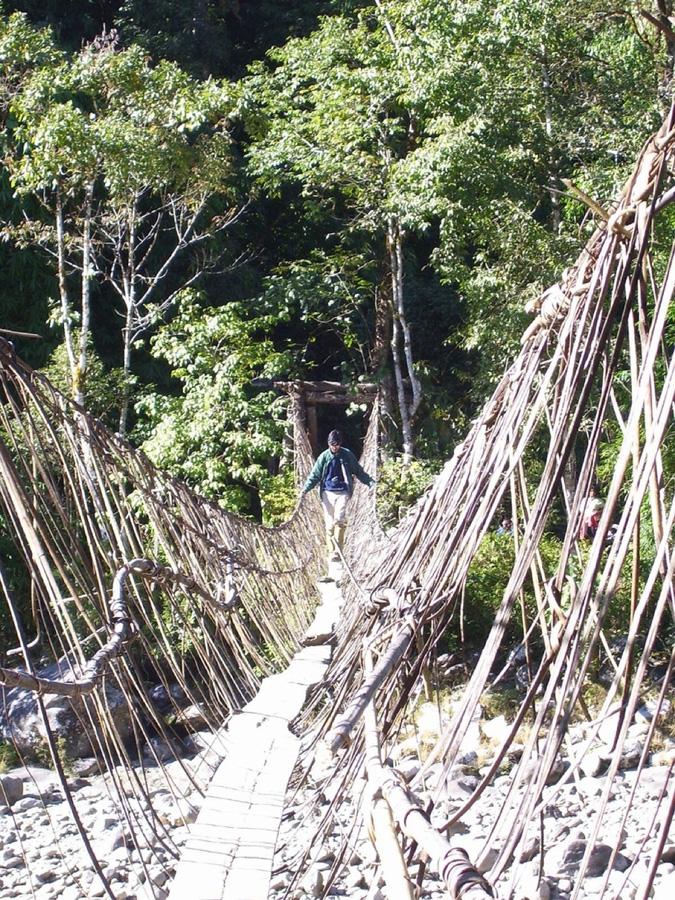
column 229, row 853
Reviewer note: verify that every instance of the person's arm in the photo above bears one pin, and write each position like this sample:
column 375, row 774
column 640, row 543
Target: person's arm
column 357, row 470
column 314, row 476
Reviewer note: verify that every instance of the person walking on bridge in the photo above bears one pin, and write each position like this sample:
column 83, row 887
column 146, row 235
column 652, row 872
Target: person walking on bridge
column 334, row 472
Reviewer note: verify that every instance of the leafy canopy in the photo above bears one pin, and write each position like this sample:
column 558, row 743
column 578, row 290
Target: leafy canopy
column 219, row 433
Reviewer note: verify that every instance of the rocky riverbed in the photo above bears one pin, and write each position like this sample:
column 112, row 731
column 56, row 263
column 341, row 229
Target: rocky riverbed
column 620, row 857
column 43, row 856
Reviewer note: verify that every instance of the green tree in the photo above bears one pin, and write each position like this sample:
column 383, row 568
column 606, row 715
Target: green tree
column 24, row 282
column 542, row 91
column 332, row 114
column 220, row 433
column 461, row 119
column 135, row 169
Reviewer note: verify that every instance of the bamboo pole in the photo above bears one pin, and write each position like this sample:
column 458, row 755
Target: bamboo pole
column 379, row 815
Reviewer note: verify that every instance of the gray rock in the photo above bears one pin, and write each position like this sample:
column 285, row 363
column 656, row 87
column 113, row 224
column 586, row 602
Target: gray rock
column 631, row 753
column 21, row 723
column 313, row 882
column 665, row 888
column 408, row 768
column 26, row 803
column 646, row 713
column 460, row 786
column 86, row 767
column 530, row 849
column 163, row 749
column 566, row 860
column 595, row 763
column 11, row 789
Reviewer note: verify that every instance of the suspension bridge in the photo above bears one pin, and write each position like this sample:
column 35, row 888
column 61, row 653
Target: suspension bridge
column 134, row 582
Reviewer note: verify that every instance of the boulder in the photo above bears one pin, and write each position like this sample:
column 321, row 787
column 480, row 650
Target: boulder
column 11, row 789
column 70, row 718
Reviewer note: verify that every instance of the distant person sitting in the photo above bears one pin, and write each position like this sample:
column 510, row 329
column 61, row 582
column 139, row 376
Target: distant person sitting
column 590, row 515
column 334, row 472
column 505, row 527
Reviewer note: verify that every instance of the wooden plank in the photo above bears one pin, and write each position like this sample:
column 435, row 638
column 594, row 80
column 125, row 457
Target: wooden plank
column 230, row 850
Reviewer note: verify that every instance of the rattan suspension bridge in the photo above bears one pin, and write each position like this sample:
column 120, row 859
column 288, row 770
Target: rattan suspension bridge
column 135, row 580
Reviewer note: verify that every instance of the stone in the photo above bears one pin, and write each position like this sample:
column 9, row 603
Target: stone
column 85, row 767
column 162, row 749
column 496, row 730
column 530, row 849
column 193, row 717
column 468, row 758
column 533, row 888
column 165, row 698
column 11, row 789
column 566, row 859
column 173, row 811
column 313, row 882
column 26, row 803
column 595, row 763
column 631, row 753
column 430, row 723
column 408, row 768
column 665, row 757
column 645, row 713
column 459, row 785
column 606, row 727
column 22, row 726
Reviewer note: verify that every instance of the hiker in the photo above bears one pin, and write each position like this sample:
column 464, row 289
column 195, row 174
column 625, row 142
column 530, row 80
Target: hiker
column 591, row 508
column 334, row 472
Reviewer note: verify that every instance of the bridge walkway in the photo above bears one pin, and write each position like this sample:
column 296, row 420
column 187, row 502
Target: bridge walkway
column 230, row 850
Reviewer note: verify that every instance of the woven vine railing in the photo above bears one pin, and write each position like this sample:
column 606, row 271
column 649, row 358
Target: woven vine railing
column 597, row 360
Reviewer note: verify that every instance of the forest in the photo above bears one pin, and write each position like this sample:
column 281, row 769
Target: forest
column 203, row 200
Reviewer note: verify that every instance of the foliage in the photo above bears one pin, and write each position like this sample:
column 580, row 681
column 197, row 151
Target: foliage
column 220, row 433
column 278, row 496
column 17, row 578
column 459, row 120
column 326, row 296
column 486, row 582
column 492, row 565
column 400, row 485
column 103, row 385
column 9, row 758
column 135, row 169
column 454, row 121
column 535, row 92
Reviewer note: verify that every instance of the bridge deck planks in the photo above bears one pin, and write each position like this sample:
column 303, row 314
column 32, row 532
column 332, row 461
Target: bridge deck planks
column 230, row 850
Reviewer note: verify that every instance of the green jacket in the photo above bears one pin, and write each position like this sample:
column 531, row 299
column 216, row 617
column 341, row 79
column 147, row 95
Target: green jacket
column 351, row 468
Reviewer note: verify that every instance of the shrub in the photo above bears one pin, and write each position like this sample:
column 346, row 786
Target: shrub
column 401, row 485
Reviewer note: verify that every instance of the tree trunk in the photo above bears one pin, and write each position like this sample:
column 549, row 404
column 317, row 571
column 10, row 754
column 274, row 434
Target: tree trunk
column 130, row 303
column 63, row 291
column 556, row 218
column 383, row 307
column 85, row 313
column 401, row 343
